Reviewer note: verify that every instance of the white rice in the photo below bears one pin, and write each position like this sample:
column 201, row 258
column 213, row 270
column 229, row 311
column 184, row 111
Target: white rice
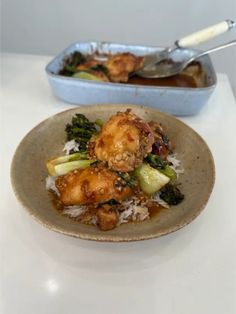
column 71, row 145
column 74, row 211
column 175, row 164
column 133, row 211
column 125, row 215
column 94, row 220
column 156, row 198
column 140, row 213
column 50, row 184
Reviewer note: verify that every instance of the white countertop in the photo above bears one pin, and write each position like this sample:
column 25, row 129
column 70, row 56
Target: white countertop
column 43, row 272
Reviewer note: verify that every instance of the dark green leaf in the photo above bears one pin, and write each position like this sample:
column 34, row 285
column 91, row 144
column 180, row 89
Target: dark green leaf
column 171, row 194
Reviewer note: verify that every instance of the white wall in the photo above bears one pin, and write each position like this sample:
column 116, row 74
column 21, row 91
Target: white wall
column 48, row 26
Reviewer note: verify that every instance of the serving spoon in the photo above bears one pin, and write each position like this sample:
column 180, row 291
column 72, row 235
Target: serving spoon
column 165, row 68
column 193, row 39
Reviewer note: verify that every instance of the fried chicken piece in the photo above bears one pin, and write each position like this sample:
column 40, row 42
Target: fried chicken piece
column 121, row 65
column 107, row 218
column 91, row 185
column 162, row 145
column 123, row 142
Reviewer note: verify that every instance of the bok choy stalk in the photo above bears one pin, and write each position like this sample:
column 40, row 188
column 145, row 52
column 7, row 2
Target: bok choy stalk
column 151, row 180
column 64, row 168
column 63, row 164
column 156, row 162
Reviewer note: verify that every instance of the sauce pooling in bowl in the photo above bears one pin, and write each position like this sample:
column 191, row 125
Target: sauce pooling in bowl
column 179, row 80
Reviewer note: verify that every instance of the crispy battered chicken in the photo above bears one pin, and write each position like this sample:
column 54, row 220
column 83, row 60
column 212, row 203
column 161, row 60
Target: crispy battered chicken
column 107, row 218
column 121, row 65
column 124, row 140
column 91, row 185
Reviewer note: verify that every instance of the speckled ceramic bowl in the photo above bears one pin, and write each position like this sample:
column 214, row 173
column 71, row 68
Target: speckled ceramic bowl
column 47, row 140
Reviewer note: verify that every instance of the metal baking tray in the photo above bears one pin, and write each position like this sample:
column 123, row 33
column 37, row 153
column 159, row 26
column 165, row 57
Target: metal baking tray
column 177, row 101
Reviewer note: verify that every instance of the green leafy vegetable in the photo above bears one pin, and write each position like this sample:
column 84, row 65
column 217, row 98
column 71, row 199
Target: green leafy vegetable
column 169, row 172
column 130, row 180
column 71, row 63
column 71, row 69
column 151, row 180
column 111, row 202
column 100, row 68
column 171, row 194
column 99, row 122
column 76, row 58
column 156, row 162
column 81, row 130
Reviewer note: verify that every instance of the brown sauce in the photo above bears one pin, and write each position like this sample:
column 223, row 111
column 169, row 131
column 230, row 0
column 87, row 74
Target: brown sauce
column 57, row 204
column 154, row 209
column 179, row 80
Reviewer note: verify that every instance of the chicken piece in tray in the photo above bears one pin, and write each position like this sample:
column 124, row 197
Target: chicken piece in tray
column 123, row 142
column 93, row 185
column 94, row 67
column 88, row 64
column 121, row 65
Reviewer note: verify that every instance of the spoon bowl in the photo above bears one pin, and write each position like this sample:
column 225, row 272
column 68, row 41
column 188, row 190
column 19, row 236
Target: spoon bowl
column 170, row 67
column 190, row 40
